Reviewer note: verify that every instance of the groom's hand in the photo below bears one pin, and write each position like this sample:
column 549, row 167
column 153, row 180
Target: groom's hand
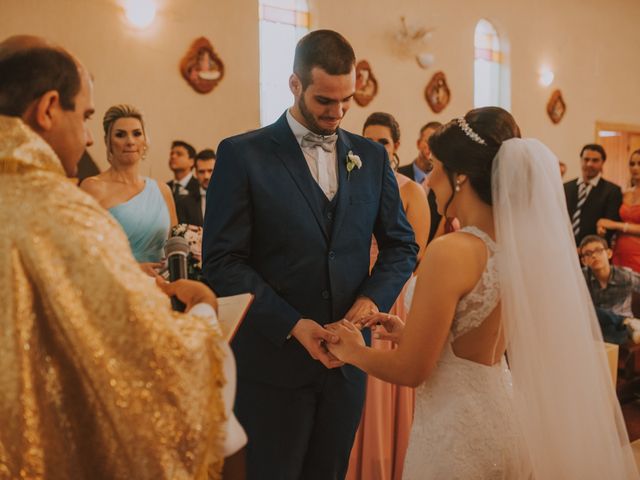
column 313, row 337
column 362, row 308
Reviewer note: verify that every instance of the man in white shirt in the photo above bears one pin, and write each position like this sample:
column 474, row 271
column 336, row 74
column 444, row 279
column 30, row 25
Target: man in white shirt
column 419, row 171
column 181, row 160
column 190, row 208
column 590, row 197
column 291, row 211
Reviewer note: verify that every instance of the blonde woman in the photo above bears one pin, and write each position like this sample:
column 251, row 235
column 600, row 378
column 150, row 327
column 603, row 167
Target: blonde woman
column 143, row 207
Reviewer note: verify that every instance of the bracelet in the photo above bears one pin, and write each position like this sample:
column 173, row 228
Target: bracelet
column 625, row 227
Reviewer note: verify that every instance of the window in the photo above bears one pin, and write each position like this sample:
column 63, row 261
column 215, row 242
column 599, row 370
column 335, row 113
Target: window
column 282, row 24
column 492, row 82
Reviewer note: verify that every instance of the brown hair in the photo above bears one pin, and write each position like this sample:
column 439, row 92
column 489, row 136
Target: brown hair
column 28, row 74
column 593, row 239
column 595, row 147
column 204, row 155
column 460, row 154
column 386, row 120
column 433, row 125
column 325, row 49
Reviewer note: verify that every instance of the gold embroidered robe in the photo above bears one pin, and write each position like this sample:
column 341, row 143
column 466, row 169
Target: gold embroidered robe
column 98, row 377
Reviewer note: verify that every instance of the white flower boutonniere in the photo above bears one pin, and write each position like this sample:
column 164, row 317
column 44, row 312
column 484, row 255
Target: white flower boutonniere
column 353, row 161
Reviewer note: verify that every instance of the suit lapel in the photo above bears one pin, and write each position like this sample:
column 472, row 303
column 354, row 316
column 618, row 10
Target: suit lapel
column 289, row 152
column 342, row 149
column 572, row 197
column 596, row 191
column 194, row 187
column 199, row 209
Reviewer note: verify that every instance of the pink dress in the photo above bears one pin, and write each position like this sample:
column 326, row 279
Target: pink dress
column 383, row 435
column 626, row 252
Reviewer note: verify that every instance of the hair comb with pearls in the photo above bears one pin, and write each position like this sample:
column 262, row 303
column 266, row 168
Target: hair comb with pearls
column 468, row 131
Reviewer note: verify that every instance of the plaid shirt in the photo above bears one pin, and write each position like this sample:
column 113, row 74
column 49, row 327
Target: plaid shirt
column 616, row 296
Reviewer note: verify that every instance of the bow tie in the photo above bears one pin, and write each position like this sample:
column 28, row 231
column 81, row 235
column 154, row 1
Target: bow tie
column 327, row 143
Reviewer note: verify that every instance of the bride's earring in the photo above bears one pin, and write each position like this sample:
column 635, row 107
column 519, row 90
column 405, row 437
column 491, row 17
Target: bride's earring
column 457, row 187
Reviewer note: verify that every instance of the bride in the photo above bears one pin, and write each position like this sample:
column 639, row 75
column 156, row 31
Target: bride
column 508, row 281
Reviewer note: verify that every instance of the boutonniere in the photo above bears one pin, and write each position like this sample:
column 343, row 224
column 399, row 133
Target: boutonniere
column 353, row 161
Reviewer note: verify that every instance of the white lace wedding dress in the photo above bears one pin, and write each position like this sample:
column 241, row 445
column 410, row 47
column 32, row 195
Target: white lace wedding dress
column 464, row 426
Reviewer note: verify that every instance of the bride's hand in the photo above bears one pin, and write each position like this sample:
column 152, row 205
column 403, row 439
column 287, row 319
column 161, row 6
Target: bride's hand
column 385, row 326
column 350, row 340
column 390, row 328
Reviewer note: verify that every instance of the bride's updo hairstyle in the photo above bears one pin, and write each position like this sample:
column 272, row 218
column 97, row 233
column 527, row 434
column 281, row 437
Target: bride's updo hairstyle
column 467, row 146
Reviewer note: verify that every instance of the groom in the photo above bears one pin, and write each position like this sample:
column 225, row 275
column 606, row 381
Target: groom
column 290, row 216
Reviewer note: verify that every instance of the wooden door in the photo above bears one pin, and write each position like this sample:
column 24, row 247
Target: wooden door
column 619, row 141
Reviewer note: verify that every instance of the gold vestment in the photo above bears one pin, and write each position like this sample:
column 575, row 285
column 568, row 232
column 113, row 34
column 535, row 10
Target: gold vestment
column 99, row 378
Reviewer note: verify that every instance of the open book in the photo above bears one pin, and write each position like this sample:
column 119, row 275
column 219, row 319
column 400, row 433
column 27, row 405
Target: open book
column 231, row 312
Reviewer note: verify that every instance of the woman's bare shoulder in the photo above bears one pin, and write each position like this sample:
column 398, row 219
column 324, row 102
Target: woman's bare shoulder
column 164, row 189
column 456, row 252
column 413, row 189
column 93, row 184
column 96, row 186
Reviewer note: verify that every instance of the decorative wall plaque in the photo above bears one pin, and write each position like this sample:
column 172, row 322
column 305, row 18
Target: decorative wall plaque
column 201, row 67
column 437, row 92
column 366, row 84
column 556, row 107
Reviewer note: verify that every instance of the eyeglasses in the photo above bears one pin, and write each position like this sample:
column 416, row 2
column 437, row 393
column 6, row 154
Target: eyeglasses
column 590, row 253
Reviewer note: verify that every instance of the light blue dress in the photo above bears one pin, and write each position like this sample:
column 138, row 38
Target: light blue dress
column 145, row 220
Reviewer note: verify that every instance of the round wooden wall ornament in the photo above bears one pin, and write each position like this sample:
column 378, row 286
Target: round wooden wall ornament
column 201, row 67
column 437, row 93
column 366, row 84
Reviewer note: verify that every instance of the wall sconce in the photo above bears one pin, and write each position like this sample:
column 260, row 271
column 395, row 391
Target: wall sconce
column 140, row 13
column 413, row 40
column 425, row 60
column 546, row 77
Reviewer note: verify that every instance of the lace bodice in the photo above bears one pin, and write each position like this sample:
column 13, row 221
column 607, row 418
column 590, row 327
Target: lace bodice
column 464, row 426
column 476, row 306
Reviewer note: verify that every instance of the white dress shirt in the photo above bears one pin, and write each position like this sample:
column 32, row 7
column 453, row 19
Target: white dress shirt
column 184, row 181
column 591, row 183
column 322, row 165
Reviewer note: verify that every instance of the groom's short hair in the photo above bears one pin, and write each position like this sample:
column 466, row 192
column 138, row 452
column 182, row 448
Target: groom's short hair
column 325, row 49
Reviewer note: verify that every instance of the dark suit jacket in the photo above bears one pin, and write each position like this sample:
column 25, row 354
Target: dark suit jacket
column 265, row 233
column 187, row 208
column 407, row 171
column 602, row 202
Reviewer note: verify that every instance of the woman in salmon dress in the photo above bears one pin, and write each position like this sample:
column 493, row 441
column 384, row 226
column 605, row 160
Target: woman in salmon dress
column 626, row 251
column 383, row 435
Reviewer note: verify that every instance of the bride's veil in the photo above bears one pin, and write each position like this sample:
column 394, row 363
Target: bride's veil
column 564, row 397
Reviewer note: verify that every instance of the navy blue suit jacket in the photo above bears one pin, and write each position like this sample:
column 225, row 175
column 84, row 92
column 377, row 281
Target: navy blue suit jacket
column 264, row 232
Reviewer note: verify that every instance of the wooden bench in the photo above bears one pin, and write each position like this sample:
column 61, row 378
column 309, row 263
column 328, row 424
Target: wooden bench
column 628, row 384
column 612, row 357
